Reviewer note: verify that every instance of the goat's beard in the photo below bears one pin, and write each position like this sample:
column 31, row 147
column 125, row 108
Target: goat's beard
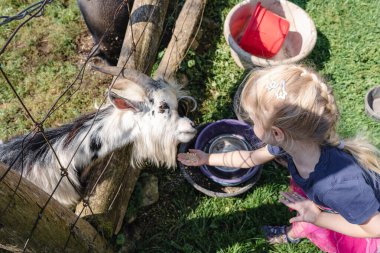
column 162, row 151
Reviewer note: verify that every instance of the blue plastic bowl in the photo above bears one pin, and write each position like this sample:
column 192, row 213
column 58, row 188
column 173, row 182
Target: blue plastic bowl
column 227, row 135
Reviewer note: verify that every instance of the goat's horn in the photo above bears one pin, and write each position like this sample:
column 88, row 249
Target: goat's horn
column 189, row 98
column 130, row 74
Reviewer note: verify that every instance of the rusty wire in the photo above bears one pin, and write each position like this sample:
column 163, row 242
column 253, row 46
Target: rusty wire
column 22, row 14
column 34, row 11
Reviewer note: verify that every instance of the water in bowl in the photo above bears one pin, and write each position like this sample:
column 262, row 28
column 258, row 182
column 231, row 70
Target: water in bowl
column 227, row 143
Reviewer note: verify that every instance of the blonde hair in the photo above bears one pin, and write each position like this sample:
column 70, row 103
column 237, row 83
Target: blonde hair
column 307, row 111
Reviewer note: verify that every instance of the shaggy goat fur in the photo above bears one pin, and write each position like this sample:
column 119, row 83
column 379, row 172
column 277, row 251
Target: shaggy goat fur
column 143, row 115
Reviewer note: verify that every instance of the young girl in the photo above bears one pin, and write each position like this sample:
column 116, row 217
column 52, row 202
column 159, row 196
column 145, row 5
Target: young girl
column 335, row 186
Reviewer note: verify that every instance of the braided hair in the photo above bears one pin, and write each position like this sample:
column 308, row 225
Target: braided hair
column 296, row 99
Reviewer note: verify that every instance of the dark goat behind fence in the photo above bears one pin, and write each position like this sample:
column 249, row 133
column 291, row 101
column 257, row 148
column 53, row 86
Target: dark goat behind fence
column 98, row 15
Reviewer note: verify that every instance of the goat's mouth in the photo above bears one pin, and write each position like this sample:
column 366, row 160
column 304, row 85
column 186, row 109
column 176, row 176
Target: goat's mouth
column 187, row 136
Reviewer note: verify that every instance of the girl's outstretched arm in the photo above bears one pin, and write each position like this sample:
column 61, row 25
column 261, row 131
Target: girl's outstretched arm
column 236, row 159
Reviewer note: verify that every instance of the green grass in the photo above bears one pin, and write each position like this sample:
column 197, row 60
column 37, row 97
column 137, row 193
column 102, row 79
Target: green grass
column 43, row 60
column 40, row 62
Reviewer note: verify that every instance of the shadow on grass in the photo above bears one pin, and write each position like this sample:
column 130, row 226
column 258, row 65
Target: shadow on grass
column 218, row 233
column 239, row 231
column 205, row 57
column 321, row 52
column 184, row 220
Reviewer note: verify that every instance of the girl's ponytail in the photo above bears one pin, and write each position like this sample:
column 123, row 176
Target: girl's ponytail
column 367, row 155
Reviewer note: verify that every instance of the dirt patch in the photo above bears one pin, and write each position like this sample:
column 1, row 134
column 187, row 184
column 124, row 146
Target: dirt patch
column 84, row 43
column 44, row 47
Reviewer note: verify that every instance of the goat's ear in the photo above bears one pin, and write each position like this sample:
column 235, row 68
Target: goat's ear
column 123, row 103
column 129, row 89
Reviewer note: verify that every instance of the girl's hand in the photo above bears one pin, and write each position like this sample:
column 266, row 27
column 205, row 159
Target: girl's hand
column 307, row 210
column 194, row 157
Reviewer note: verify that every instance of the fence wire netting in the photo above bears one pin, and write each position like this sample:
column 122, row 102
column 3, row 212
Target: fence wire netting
column 29, row 15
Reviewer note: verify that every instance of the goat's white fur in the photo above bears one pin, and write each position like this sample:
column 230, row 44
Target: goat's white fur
column 155, row 136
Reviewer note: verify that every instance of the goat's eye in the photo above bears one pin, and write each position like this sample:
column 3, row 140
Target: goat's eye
column 163, row 106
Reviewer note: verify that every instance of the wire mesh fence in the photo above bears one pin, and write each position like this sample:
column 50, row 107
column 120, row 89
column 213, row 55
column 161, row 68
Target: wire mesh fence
column 38, row 131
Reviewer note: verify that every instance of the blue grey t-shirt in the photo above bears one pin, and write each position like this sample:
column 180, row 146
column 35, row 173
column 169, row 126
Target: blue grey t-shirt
column 338, row 182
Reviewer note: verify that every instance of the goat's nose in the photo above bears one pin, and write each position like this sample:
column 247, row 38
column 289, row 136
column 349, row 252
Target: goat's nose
column 192, row 124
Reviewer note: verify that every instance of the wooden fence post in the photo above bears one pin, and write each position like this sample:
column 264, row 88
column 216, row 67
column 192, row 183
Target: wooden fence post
column 19, row 212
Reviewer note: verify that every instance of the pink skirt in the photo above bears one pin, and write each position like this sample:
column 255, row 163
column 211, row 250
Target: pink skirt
column 331, row 241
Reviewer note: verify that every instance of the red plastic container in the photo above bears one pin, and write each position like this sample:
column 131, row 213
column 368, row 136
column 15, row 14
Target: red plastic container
column 265, row 33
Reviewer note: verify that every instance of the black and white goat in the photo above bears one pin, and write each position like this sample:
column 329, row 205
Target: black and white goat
column 141, row 111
